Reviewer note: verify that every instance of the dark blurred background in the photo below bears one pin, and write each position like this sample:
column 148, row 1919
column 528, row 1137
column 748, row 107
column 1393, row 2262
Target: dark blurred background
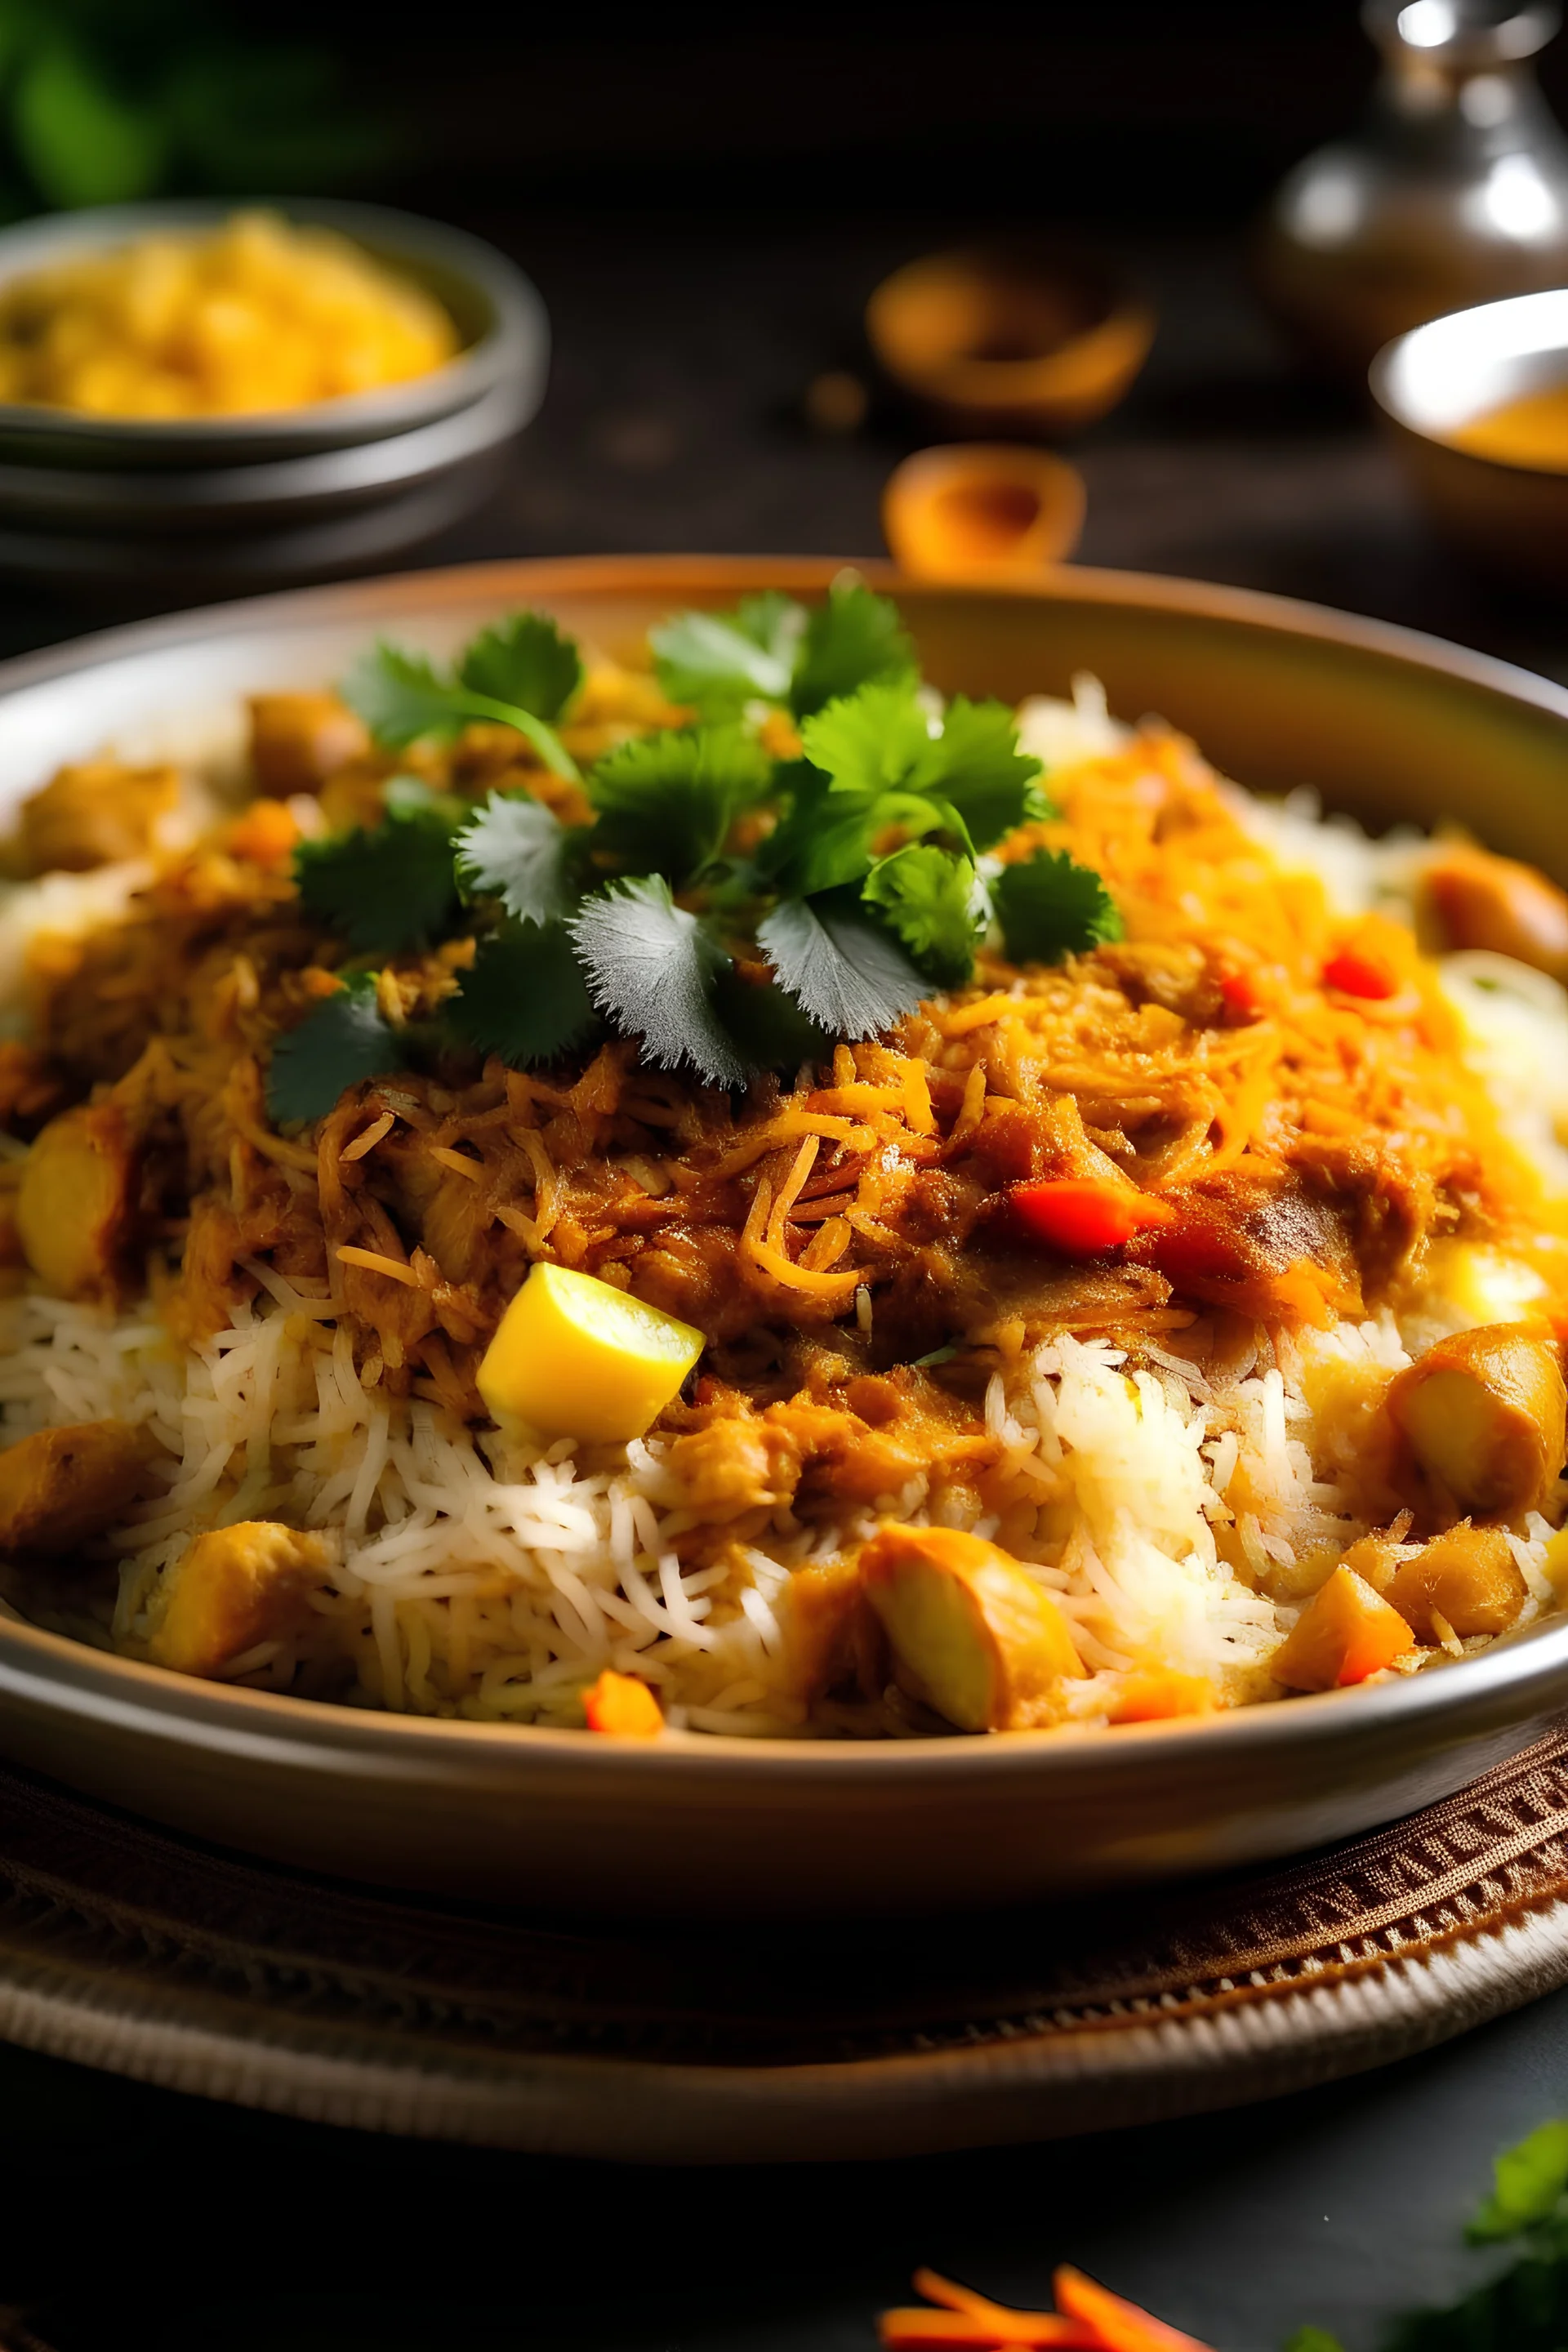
column 707, row 196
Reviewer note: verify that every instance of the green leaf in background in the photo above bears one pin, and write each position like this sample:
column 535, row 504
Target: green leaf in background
column 1529, row 2182
column 719, row 663
column 401, row 698
column 79, row 139
column 842, row 968
column 651, row 967
column 1313, row 2339
column 517, row 850
column 931, row 899
column 525, row 997
column 243, row 117
column 1050, row 906
column 524, row 660
column 345, row 1039
column 665, row 802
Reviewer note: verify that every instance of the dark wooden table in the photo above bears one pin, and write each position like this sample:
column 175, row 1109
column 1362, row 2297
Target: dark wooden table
column 132, row 2218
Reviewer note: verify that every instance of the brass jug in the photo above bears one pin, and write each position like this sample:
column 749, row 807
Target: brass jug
column 1455, row 191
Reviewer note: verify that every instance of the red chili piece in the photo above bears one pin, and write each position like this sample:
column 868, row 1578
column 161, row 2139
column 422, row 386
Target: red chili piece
column 1082, row 1216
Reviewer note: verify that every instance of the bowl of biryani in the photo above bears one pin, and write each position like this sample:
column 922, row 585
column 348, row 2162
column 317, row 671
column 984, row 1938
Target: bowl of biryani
column 245, row 395
column 712, row 1232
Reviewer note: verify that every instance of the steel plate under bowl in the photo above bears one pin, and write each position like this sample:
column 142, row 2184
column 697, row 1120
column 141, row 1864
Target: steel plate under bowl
column 1390, row 726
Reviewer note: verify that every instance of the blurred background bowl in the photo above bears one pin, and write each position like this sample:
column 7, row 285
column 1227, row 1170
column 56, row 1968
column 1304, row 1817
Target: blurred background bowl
column 1026, row 337
column 1437, row 383
column 215, row 503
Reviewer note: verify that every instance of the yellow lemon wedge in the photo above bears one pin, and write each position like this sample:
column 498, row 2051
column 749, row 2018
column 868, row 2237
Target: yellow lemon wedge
column 576, row 1358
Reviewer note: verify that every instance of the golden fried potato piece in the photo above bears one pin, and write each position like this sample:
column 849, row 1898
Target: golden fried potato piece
column 1483, row 901
column 95, row 813
column 233, row 1588
column 974, row 1635
column 60, row 1485
column 1480, row 1423
column 1345, row 1633
column 75, row 1204
column 1469, row 1577
column 298, row 741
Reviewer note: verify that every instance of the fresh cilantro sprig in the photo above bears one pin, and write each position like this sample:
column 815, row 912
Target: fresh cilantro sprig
column 522, row 674
column 770, row 650
column 732, row 909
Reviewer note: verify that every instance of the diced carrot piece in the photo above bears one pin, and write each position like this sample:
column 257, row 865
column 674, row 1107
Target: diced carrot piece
column 266, row 833
column 1150, row 1694
column 621, row 1704
column 1360, row 971
column 1345, row 1633
column 1082, row 1216
column 1120, row 2326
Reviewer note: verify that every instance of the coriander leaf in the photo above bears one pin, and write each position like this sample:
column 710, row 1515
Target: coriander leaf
column 773, row 620
column 651, row 967
column 524, row 997
column 1530, row 2181
column 931, row 899
column 412, row 796
column 720, row 661
column 832, row 835
column 1049, row 908
column 850, row 639
column 981, row 771
column 767, row 1026
column 526, row 661
column 872, row 740
column 382, row 892
column 402, row 697
column 345, row 1039
column 665, row 802
column 841, row 968
column 517, row 850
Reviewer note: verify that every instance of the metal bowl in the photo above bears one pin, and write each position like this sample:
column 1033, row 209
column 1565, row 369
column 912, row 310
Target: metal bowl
column 1391, row 726
column 211, row 504
column 1437, row 379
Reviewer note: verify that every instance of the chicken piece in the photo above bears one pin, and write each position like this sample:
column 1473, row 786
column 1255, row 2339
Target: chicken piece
column 298, row 741
column 1479, row 1425
column 1469, row 1577
column 1483, row 901
column 233, row 1588
column 974, row 1636
column 60, row 1486
column 1345, row 1633
column 734, row 1466
column 76, row 1204
column 95, row 813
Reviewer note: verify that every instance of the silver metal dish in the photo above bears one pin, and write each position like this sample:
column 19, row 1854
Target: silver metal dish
column 209, row 505
column 1389, row 725
column 1438, row 378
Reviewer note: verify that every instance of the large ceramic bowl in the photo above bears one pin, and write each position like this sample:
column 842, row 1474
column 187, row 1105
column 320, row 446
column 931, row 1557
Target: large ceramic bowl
column 1389, row 725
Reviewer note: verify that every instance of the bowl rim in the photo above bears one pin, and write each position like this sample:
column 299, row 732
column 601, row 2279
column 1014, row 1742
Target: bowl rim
column 516, row 318
column 83, row 1680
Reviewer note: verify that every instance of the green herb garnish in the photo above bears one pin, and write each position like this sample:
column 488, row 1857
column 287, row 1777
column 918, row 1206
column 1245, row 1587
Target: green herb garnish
column 734, row 910
column 345, row 1039
column 391, row 889
column 403, row 696
column 1049, row 906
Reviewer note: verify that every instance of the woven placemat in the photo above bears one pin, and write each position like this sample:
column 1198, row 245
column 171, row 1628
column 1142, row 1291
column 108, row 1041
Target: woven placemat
column 126, row 1947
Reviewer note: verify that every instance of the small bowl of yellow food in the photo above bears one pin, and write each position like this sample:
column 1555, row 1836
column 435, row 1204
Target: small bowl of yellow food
column 1477, row 403
column 238, row 397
